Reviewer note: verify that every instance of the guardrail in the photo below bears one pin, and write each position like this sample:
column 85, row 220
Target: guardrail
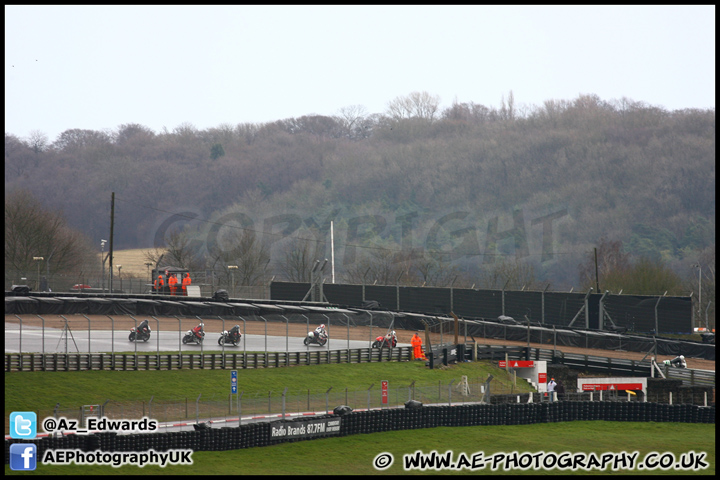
column 152, row 361
column 612, row 366
column 56, row 362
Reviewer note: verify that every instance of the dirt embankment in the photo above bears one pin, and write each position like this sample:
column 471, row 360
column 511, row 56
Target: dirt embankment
column 102, row 322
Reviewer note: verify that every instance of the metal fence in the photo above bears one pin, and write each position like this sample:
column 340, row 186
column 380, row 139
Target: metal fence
column 260, row 406
column 209, row 282
column 255, row 405
column 79, row 333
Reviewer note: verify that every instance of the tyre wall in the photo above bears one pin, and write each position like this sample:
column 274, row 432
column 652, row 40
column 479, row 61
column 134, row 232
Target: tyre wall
column 259, row 434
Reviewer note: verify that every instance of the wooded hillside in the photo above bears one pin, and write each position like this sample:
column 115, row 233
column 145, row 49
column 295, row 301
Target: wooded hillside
column 471, row 183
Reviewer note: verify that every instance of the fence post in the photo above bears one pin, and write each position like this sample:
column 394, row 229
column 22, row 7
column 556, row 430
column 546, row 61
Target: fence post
column 43, row 341
column 157, row 335
column 150, row 406
column 89, row 344
column 240, row 408
column 20, row 347
column 327, row 400
column 450, row 392
column 347, row 319
column 370, row 340
column 368, row 394
column 287, row 347
column 197, row 409
column 283, row 402
column 327, row 319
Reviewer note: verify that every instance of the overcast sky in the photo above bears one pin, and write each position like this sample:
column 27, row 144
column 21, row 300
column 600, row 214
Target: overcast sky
column 98, row 67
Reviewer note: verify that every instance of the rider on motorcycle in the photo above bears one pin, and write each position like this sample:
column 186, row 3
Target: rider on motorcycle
column 235, row 332
column 321, row 331
column 391, row 339
column 197, row 331
column 679, row 362
column 143, row 327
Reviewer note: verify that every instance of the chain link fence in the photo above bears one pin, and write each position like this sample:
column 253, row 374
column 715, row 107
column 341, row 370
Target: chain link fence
column 271, row 405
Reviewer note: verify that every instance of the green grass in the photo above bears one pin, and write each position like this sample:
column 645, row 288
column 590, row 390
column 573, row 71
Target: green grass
column 353, row 455
column 40, row 391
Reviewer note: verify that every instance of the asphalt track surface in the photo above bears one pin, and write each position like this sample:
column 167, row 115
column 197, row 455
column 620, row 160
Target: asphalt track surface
column 107, row 341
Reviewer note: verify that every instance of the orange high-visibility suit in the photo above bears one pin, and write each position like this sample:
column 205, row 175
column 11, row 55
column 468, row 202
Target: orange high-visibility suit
column 172, row 282
column 416, row 342
column 185, row 282
column 159, row 284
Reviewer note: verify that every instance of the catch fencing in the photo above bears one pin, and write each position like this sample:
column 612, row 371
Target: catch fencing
column 637, row 313
column 273, row 404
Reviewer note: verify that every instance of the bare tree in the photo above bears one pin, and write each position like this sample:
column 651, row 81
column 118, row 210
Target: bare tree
column 32, row 231
column 181, row 251
column 420, row 105
column 299, row 258
column 38, row 141
column 241, row 248
column 611, row 259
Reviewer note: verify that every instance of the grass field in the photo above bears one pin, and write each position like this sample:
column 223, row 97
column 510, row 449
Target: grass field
column 132, row 261
column 28, row 391
column 39, row 391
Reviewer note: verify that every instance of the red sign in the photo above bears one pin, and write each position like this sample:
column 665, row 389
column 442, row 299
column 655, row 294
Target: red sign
column 589, row 387
column 517, row 363
column 542, row 377
column 384, row 384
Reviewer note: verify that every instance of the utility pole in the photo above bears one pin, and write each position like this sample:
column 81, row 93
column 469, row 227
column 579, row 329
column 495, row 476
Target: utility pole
column 597, row 280
column 112, row 226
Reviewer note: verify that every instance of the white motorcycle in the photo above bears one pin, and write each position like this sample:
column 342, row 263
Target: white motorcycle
column 677, row 362
column 316, row 338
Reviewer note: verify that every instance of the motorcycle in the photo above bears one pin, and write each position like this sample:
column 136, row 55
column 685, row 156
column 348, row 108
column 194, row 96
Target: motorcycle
column 316, row 338
column 677, row 362
column 233, row 336
column 190, row 337
column 382, row 342
column 142, row 332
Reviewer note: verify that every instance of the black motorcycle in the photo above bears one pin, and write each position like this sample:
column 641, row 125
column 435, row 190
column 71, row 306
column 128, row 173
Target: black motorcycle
column 233, row 336
column 142, row 332
column 316, row 338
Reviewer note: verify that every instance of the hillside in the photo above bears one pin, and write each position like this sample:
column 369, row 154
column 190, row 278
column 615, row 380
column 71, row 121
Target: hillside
column 474, row 185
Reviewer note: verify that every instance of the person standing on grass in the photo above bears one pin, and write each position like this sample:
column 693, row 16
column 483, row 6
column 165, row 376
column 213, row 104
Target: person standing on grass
column 416, row 342
column 551, row 388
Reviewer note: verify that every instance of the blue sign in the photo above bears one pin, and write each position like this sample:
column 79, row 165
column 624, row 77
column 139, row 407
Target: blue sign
column 233, row 381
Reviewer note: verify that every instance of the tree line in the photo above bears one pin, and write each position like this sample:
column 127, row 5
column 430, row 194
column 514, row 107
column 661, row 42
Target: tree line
column 620, row 169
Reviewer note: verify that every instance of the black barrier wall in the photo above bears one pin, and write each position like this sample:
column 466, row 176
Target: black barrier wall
column 261, row 434
column 639, row 313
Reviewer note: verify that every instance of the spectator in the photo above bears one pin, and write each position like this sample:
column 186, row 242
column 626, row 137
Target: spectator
column 551, row 389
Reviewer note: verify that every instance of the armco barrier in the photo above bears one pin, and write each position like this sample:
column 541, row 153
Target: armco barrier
column 70, row 362
column 104, row 361
column 261, row 434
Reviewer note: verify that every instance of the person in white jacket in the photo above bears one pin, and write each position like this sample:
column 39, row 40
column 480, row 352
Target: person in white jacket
column 551, row 389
